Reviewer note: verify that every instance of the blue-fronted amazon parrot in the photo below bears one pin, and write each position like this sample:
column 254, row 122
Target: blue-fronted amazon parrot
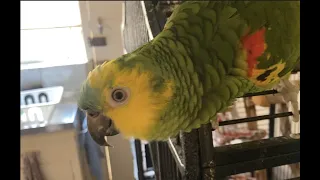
column 208, row 54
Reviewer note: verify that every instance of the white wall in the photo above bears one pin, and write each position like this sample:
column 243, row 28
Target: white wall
column 71, row 76
column 111, row 13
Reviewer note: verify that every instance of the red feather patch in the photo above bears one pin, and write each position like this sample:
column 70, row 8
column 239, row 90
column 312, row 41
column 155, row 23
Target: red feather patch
column 254, row 44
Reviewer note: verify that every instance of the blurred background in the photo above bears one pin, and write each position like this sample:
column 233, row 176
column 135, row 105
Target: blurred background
column 61, row 41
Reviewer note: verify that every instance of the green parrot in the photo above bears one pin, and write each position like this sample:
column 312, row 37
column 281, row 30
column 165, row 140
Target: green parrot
column 208, row 54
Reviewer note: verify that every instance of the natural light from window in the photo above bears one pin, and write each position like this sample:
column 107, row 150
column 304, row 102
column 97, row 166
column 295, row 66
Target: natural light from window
column 51, row 34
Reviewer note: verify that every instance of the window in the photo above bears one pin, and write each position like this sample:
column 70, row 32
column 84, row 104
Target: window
column 51, row 33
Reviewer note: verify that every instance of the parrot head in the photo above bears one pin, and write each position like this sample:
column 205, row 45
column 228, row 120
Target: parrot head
column 126, row 96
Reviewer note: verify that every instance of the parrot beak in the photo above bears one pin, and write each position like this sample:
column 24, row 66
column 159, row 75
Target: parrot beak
column 99, row 127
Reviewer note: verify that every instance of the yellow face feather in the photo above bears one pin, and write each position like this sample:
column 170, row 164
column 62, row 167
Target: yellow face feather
column 141, row 112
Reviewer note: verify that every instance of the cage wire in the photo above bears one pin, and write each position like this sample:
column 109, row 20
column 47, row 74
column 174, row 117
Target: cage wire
column 239, row 133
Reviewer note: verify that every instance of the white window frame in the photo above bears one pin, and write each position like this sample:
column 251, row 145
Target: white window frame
column 51, row 34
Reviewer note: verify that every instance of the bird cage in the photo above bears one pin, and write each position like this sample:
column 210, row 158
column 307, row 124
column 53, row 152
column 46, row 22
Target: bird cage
column 264, row 152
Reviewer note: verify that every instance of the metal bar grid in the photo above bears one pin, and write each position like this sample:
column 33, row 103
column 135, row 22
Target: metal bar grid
column 256, row 118
column 139, row 159
column 256, row 155
column 220, row 162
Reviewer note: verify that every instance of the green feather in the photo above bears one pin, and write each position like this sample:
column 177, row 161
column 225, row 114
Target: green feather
column 207, row 37
column 200, row 51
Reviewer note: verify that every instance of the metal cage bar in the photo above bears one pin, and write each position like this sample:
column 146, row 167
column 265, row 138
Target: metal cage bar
column 271, row 133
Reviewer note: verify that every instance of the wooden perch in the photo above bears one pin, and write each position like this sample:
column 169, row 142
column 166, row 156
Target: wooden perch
column 31, row 166
column 285, row 129
column 251, row 112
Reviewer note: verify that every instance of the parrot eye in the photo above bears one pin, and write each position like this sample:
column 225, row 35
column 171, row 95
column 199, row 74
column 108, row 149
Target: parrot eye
column 92, row 114
column 119, row 95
